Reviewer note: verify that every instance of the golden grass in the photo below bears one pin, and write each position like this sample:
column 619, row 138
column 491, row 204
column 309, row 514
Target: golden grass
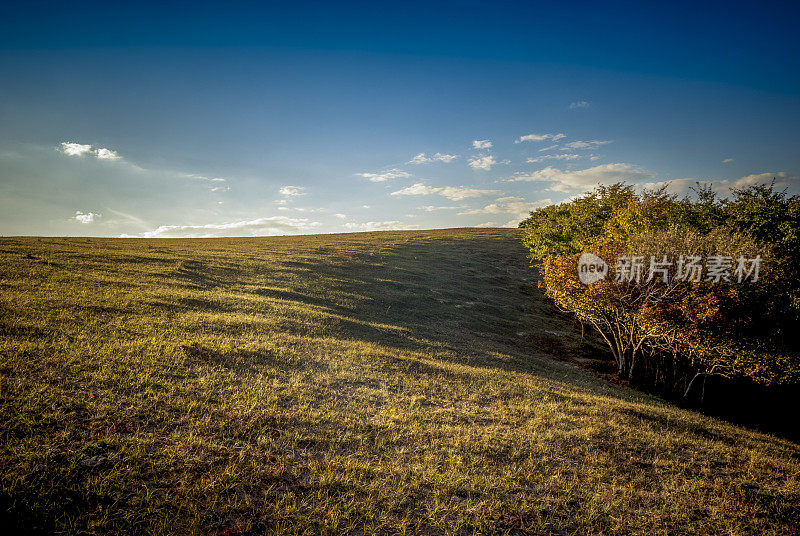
column 375, row 383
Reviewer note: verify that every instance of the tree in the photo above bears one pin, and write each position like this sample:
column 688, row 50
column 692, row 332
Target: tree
column 663, row 331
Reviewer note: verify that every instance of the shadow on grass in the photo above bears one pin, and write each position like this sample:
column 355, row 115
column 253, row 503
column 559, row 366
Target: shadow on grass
column 473, row 297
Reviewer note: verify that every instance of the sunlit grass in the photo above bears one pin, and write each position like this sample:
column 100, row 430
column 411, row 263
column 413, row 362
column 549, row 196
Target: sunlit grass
column 397, row 383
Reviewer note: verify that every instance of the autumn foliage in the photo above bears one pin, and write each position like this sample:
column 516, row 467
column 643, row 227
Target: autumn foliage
column 670, row 327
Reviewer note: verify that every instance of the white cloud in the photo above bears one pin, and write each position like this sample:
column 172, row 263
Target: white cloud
column 302, row 209
column 220, row 187
column 418, row 189
column 540, row 137
column 593, row 144
column 88, row 217
column 385, row 176
column 433, row 208
column 762, row 178
column 565, row 156
column 125, row 218
column 574, row 181
column 201, row 177
column 482, row 162
column 70, row 148
column 446, row 158
column 457, row 194
column 676, row 186
column 518, row 207
column 341, row 216
column 381, row 226
column 578, row 104
column 482, row 144
column 487, row 224
column 292, row 191
column 723, row 187
column 727, row 160
column 548, row 148
column 275, row 225
column 509, row 204
column 422, row 158
column 454, row 193
column 106, row 154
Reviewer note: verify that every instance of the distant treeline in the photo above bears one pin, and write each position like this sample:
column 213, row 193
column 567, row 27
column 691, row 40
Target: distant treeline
column 697, row 287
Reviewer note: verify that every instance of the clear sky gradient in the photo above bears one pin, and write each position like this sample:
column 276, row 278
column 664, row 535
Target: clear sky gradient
column 191, row 119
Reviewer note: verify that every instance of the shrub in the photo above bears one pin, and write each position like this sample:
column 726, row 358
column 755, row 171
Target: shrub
column 663, row 332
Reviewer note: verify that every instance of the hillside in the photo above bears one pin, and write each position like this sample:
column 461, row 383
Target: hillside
column 392, row 383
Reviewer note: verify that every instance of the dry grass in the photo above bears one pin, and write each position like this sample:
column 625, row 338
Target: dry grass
column 377, row 383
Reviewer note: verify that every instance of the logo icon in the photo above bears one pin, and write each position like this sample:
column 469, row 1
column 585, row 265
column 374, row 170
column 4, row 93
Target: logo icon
column 591, row 268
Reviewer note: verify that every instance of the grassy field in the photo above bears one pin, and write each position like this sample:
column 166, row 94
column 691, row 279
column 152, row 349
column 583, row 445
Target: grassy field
column 375, row 383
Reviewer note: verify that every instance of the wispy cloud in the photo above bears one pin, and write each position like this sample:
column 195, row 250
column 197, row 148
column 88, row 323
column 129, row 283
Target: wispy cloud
column 781, row 179
column 727, row 160
column 678, row 186
column 540, row 137
column 549, row 148
column 593, row 144
column 385, row 175
column 578, row 104
column 123, row 218
column 565, row 156
column 275, row 225
column 308, row 210
column 74, row 149
column 218, row 185
column 453, row 193
column 434, row 208
column 292, row 191
column 86, row 217
column 575, row 181
column 393, row 225
column 482, row 144
column 460, row 193
column 518, row 207
column 484, row 162
column 723, row 187
column 418, row 189
column 423, row 158
column 201, row 177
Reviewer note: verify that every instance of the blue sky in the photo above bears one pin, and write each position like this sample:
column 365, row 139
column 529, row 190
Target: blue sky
column 186, row 119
